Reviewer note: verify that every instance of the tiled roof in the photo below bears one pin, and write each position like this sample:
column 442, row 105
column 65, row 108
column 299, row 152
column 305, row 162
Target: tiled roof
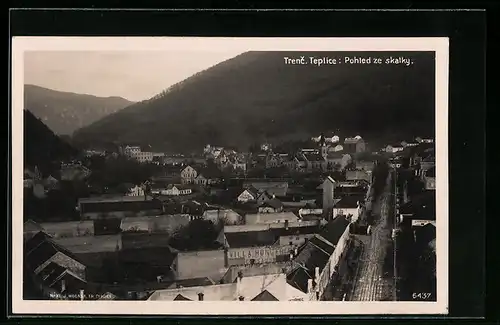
column 41, row 254
column 35, row 241
column 180, row 297
column 314, row 253
column 133, row 206
column 186, row 283
column 31, row 225
column 334, row 229
column 252, row 218
column 273, row 203
column 251, row 239
column 265, row 296
column 350, row 201
column 91, row 244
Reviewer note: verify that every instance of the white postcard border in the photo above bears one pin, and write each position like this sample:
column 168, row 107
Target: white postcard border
column 22, row 44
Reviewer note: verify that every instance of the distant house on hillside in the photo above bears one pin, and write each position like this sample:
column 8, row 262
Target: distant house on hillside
column 136, row 191
column 207, row 176
column 249, row 194
column 176, row 190
column 188, row 175
column 393, row 148
column 354, row 145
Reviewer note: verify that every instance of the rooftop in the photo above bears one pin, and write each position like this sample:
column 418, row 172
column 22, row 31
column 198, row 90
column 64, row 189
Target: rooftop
column 350, row 201
column 91, row 244
column 270, row 217
column 251, row 239
column 251, row 288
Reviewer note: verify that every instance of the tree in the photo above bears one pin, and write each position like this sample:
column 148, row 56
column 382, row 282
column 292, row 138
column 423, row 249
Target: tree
column 197, row 234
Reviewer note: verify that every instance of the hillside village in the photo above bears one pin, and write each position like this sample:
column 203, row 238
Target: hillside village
column 263, row 225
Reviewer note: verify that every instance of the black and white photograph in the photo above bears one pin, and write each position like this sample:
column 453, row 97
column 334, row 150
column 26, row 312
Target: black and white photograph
column 230, row 173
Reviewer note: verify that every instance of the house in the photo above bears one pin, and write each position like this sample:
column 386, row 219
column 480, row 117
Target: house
column 268, row 287
column 273, row 217
column 349, row 206
column 315, row 264
column 266, row 242
column 188, row 175
column 176, row 190
column 393, row 148
column 354, row 145
column 424, row 140
column 430, row 179
column 228, row 216
column 41, row 250
column 276, row 188
column 51, row 183
column 31, row 176
column 59, row 282
column 328, row 186
column 249, row 194
column 271, row 206
column 136, row 191
column 208, row 176
column 118, row 207
column 409, row 143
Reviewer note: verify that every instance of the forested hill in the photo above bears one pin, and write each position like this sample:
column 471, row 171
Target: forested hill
column 64, row 112
column 41, row 146
column 255, row 97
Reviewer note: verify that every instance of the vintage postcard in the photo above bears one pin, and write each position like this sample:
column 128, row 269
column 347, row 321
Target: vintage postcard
column 229, row 176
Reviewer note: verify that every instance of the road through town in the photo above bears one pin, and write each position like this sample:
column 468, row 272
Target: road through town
column 372, row 283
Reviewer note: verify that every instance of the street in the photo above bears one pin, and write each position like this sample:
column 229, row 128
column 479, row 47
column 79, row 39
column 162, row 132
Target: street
column 373, row 279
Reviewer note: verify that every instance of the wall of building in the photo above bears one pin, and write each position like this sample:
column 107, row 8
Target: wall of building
column 259, row 255
column 294, row 240
column 328, row 195
column 327, row 272
column 188, row 265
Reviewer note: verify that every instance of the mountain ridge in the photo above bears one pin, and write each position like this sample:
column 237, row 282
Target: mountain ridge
column 64, row 112
column 255, row 97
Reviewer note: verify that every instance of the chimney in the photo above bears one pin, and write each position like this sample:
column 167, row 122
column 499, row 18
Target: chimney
column 63, row 285
column 82, row 294
column 200, row 296
column 309, row 285
column 286, row 224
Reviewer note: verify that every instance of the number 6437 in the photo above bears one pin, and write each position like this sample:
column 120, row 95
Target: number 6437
column 421, row 295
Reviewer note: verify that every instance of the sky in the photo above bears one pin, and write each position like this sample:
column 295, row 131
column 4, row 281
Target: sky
column 132, row 75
